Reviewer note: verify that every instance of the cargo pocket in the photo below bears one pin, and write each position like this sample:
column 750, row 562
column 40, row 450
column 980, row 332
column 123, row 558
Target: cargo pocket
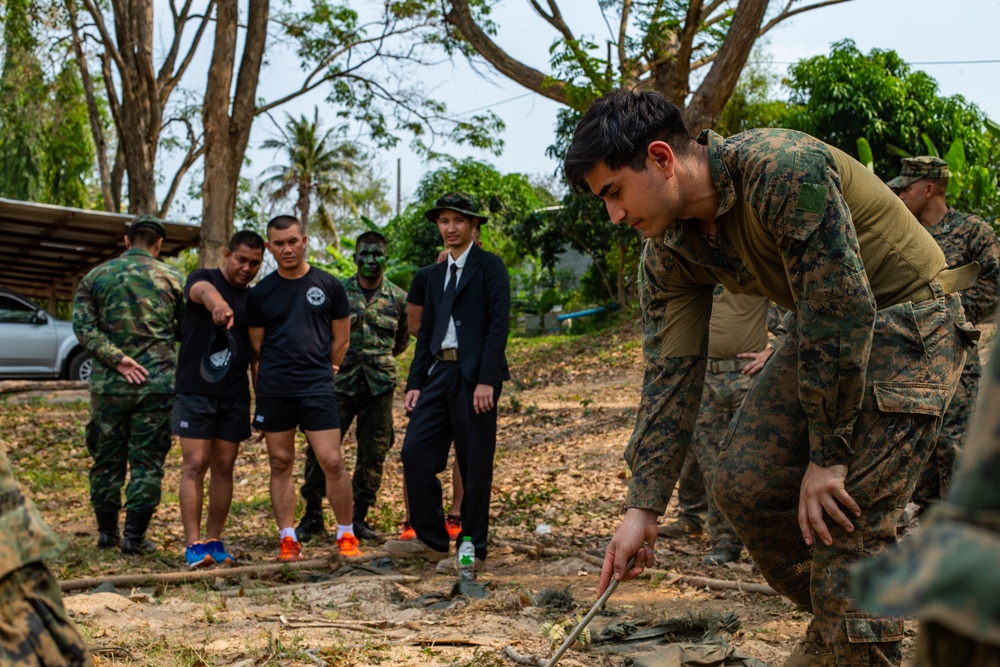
column 873, row 640
column 894, row 437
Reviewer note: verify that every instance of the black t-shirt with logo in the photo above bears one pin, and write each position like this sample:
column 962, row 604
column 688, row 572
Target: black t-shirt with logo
column 296, row 316
column 199, row 330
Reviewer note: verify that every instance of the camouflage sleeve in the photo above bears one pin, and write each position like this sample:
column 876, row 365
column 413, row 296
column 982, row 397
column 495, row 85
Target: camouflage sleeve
column 402, row 330
column 775, row 315
column 980, row 300
column 675, row 344
column 87, row 328
column 802, row 205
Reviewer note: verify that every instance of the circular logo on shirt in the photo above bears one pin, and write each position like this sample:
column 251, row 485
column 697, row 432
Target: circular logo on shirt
column 315, row 296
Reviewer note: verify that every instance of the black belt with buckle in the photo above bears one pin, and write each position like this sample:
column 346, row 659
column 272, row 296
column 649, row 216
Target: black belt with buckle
column 451, row 354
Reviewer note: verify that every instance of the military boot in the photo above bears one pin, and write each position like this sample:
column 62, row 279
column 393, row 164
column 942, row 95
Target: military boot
column 362, row 530
column 312, row 524
column 811, row 651
column 107, row 530
column 134, row 537
column 684, row 526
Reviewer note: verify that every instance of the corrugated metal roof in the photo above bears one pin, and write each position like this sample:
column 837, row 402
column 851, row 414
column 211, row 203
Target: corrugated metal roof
column 45, row 250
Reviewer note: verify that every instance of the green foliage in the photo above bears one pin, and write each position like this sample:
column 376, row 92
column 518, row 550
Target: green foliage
column 752, row 104
column 68, row 149
column 848, row 94
column 506, row 199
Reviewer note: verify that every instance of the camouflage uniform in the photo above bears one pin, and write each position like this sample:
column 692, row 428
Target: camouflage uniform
column 129, row 306
column 871, row 358
column 34, row 628
column 365, row 384
column 946, row 574
column 964, row 238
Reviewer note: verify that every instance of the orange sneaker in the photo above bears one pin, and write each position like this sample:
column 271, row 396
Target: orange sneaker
column 348, row 545
column 290, row 550
column 453, row 524
column 408, row 532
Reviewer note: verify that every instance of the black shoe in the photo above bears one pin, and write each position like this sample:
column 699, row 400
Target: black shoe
column 720, row 556
column 134, row 537
column 363, row 531
column 312, row 524
column 107, row 527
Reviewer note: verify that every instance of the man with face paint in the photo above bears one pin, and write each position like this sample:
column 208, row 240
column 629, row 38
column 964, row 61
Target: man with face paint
column 365, row 384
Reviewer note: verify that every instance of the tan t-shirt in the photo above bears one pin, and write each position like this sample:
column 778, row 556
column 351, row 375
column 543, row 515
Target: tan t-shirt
column 738, row 324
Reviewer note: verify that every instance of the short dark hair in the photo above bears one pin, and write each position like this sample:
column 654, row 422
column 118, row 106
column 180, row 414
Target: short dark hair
column 252, row 240
column 617, row 130
column 143, row 237
column 280, row 222
column 940, row 184
column 372, row 237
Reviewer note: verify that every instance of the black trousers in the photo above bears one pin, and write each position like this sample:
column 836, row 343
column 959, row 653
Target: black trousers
column 444, row 413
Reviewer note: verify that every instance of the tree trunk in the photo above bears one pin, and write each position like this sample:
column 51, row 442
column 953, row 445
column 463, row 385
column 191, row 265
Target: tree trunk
column 226, row 135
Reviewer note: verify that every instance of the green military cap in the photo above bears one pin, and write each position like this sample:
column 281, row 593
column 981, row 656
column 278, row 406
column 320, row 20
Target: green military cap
column 150, row 221
column 917, row 168
column 456, row 201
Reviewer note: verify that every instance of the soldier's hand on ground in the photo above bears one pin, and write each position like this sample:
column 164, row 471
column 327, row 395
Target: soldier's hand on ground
column 635, row 535
column 482, row 398
column 757, row 360
column 410, row 400
column 132, row 370
column 823, row 490
column 222, row 315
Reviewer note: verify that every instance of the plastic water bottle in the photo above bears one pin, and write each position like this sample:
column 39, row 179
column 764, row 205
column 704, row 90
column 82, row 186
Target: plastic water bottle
column 466, row 559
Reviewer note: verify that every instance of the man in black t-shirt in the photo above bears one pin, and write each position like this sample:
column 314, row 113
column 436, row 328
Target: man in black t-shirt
column 300, row 329
column 212, row 404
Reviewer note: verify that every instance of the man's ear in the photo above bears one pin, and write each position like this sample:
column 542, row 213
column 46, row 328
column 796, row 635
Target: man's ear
column 128, row 244
column 663, row 156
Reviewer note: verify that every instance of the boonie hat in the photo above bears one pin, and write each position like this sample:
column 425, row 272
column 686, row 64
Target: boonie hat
column 456, row 201
column 219, row 355
column 150, row 221
column 917, row 168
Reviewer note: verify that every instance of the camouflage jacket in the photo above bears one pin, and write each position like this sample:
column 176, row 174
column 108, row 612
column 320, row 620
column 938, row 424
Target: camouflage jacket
column 24, row 536
column 130, row 306
column 947, row 572
column 966, row 238
column 378, row 336
column 810, row 228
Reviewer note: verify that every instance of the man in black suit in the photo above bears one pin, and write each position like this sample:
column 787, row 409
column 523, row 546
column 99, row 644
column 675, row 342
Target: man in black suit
column 454, row 385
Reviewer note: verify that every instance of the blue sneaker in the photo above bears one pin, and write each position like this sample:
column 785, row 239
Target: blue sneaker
column 198, row 555
column 218, row 552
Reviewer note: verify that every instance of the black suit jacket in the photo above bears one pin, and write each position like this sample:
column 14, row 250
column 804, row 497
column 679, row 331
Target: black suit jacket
column 481, row 312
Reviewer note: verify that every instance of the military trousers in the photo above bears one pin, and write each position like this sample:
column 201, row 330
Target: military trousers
column 128, row 433
column 375, row 438
column 34, row 627
column 917, row 354
column 936, row 476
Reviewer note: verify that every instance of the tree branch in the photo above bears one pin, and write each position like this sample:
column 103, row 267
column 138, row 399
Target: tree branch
column 174, row 79
column 109, row 44
column 788, row 12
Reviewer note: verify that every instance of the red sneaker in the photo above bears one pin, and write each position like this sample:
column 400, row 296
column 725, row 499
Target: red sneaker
column 408, row 532
column 453, row 524
column 290, row 550
column 348, row 545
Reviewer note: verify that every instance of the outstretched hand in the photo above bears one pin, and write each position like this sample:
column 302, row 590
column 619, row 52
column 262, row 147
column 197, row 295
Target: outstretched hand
column 823, row 490
column 635, row 536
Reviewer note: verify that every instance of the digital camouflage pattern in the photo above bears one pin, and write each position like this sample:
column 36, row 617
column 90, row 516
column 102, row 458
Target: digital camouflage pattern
column 947, row 574
column 918, row 168
column 34, row 628
column 365, row 384
column 964, row 238
column 378, row 335
column 813, row 230
column 131, row 305
column 128, row 434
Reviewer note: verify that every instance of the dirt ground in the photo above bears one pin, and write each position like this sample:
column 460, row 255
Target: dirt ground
column 558, row 487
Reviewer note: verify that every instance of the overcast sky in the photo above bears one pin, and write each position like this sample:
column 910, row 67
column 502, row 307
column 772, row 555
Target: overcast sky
column 921, row 31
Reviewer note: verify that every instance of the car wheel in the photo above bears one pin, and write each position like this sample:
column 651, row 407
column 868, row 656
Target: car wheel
column 81, row 367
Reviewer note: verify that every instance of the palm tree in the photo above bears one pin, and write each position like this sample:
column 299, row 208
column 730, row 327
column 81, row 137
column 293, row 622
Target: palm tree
column 318, row 166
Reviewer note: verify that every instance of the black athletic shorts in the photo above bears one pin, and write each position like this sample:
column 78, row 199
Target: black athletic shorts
column 284, row 413
column 209, row 417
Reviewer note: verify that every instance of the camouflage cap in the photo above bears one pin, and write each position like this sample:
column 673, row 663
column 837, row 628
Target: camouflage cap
column 151, row 222
column 456, row 201
column 917, row 168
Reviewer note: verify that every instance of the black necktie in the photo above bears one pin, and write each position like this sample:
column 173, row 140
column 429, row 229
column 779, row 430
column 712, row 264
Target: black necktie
column 444, row 312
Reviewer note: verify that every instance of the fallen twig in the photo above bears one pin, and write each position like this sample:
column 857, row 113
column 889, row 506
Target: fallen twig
column 264, row 590
column 520, row 659
column 21, row 386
